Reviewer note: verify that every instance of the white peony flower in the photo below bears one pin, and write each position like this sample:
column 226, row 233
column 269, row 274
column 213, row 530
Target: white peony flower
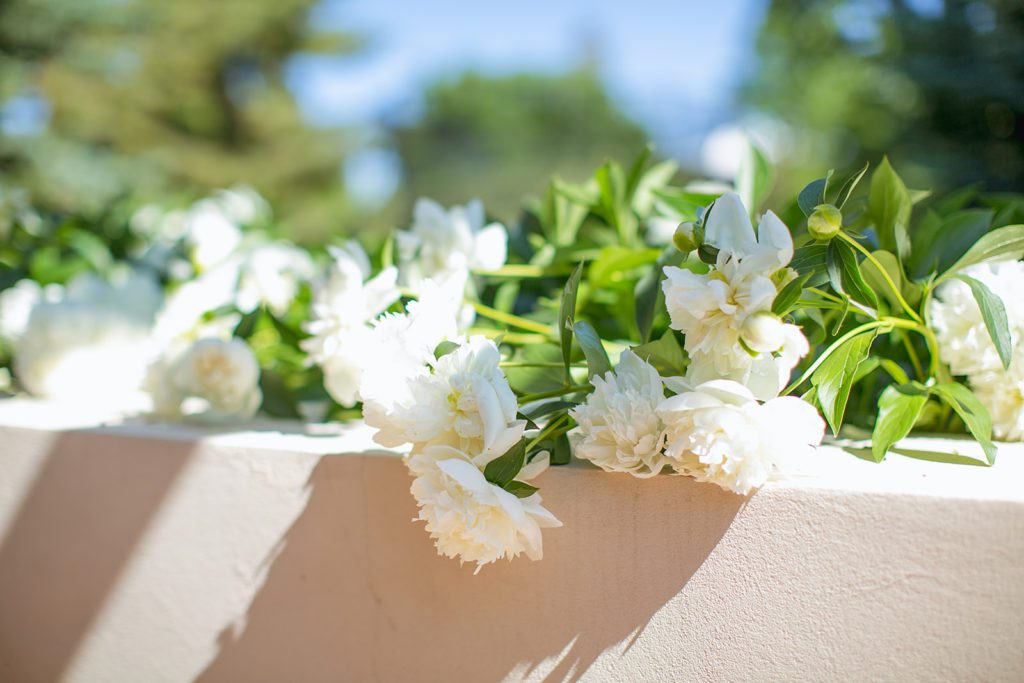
column 1002, row 394
column 620, row 426
column 270, row 274
column 444, row 243
column 187, row 313
column 720, row 433
column 470, row 518
column 717, row 309
column 343, row 308
column 401, row 346
column 76, row 350
column 964, row 342
column 211, row 380
column 16, row 304
column 465, row 402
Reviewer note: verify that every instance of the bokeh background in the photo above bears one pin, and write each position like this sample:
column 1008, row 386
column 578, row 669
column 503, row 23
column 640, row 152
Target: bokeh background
column 342, row 112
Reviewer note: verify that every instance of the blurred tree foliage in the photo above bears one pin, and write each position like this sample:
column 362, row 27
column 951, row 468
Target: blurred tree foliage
column 150, row 96
column 936, row 85
column 500, row 138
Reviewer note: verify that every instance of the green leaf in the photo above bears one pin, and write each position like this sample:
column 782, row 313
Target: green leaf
column 971, row 411
column 813, row 194
column 590, row 342
column 1002, row 243
column 789, row 294
column 561, row 454
column 547, row 408
column 848, row 187
column 505, row 467
column 834, row 377
column 247, row 325
column 939, row 242
column 993, row 312
column 844, row 273
column 614, row 262
column 889, row 207
column 567, row 313
column 665, row 354
column 527, row 380
column 898, row 410
column 520, row 489
column 648, row 292
column 444, row 348
column 755, row 178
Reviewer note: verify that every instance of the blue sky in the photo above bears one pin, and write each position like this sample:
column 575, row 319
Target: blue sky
column 673, row 66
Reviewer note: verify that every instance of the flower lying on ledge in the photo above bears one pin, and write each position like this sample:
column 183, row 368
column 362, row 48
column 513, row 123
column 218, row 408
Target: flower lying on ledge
column 469, row 517
column 619, row 423
column 720, row 433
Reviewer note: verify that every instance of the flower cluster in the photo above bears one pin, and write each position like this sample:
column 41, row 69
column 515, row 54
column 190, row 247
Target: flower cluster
column 966, row 345
column 736, row 342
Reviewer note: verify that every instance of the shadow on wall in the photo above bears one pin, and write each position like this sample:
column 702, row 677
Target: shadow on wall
column 72, row 537
column 358, row 593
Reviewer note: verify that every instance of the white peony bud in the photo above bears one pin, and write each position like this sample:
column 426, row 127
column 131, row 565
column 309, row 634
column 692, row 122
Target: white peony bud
column 763, row 332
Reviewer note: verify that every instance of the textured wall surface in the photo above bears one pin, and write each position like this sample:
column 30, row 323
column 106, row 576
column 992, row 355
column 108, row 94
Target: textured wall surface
column 155, row 553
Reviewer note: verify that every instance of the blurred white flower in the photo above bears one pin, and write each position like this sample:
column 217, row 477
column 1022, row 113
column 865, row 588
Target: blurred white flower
column 243, row 205
column 343, row 308
column 443, row 243
column 400, row 347
column 465, row 402
column 211, row 380
column 470, row 518
column 133, row 293
column 714, row 310
column 270, row 274
column 211, row 233
column 964, row 342
column 189, row 312
column 720, row 433
column 16, row 304
column 620, row 426
column 76, row 350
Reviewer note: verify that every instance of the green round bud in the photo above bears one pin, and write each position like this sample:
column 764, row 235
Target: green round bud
column 825, row 223
column 684, row 238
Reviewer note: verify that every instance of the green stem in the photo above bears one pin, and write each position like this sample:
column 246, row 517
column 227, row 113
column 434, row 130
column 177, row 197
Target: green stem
column 825, row 295
column 885, row 276
column 510, row 337
column 548, row 429
column 562, row 391
column 832, row 347
column 525, row 270
column 511, row 319
column 914, row 360
column 528, row 364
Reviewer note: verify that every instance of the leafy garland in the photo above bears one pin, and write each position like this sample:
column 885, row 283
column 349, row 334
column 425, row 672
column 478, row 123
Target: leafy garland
column 487, row 351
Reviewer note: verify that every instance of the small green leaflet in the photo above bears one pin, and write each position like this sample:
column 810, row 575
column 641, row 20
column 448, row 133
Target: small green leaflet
column 444, row 348
column 845, row 275
column 789, row 294
column 593, row 350
column 505, row 467
column 847, row 189
column 566, row 315
column 814, row 194
column 889, row 206
column 520, row 489
column 993, row 312
column 971, row 411
column 834, row 377
column 898, row 409
column 665, row 354
column 648, row 291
